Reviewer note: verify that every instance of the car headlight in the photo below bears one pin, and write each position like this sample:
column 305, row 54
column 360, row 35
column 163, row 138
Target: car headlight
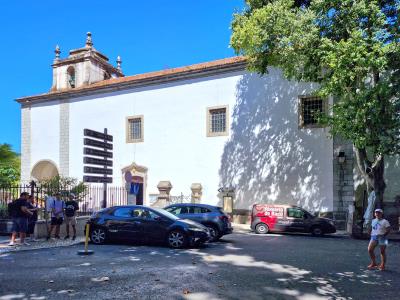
column 332, row 223
column 196, row 229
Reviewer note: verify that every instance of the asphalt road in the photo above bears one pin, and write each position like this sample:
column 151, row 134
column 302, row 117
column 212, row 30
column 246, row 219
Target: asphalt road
column 241, row 266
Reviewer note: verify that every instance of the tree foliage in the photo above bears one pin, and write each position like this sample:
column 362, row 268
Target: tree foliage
column 65, row 186
column 9, row 165
column 351, row 48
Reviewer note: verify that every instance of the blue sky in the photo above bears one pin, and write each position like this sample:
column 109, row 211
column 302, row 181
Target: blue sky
column 148, row 35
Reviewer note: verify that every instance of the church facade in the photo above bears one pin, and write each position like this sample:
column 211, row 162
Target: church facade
column 214, row 124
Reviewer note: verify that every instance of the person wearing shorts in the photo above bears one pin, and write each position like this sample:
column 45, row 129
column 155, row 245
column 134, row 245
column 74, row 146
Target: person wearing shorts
column 20, row 220
column 57, row 216
column 380, row 228
column 71, row 206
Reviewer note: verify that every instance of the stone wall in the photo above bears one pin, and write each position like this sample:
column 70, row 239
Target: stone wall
column 343, row 181
column 41, row 229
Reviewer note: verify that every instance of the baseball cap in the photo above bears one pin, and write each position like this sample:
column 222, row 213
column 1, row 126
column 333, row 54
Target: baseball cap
column 379, row 210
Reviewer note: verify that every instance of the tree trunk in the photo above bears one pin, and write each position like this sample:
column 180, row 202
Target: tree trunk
column 373, row 173
column 379, row 182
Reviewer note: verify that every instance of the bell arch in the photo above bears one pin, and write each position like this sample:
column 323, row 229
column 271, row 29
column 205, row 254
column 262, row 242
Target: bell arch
column 44, row 169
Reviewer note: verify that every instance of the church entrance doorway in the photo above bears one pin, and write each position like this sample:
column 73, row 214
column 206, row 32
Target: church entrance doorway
column 137, row 189
column 135, row 177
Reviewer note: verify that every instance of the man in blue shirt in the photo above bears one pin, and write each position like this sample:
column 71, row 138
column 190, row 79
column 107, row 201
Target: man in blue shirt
column 57, row 215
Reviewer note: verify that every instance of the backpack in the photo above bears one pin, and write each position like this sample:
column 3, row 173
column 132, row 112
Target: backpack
column 12, row 209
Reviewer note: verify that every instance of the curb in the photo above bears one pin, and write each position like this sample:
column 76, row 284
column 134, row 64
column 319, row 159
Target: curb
column 40, row 245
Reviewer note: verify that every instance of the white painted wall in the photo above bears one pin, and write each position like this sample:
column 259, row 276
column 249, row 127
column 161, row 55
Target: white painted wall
column 45, row 131
column 266, row 155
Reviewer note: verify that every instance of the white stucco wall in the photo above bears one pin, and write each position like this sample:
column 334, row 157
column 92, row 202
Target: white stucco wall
column 267, row 157
column 45, row 131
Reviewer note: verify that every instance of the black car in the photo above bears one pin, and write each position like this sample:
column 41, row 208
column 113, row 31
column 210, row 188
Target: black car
column 210, row 216
column 144, row 224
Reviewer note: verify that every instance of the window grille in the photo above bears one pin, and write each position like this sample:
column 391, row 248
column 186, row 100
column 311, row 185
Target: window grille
column 218, row 120
column 135, row 129
column 310, row 107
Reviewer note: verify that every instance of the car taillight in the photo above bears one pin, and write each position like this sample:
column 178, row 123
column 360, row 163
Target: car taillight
column 225, row 218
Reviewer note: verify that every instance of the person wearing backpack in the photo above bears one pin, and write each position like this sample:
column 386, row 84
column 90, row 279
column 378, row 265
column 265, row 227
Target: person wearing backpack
column 71, row 206
column 19, row 213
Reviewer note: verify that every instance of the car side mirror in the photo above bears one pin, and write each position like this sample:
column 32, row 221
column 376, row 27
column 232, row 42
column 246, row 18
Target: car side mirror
column 157, row 218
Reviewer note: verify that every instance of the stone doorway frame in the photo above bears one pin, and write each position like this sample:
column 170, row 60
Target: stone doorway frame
column 140, row 171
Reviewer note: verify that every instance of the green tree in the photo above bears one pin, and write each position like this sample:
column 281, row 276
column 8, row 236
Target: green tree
column 65, row 186
column 351, row 48
column 9, row 165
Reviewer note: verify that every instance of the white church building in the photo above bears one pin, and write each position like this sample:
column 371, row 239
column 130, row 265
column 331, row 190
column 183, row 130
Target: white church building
column 214, row 124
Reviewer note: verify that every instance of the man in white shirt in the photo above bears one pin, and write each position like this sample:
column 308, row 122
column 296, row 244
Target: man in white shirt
column 380, row 228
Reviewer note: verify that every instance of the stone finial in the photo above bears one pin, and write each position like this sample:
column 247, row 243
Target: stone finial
column 119, row 62
column 89, row 43
column 196, row 192
column 57, row 52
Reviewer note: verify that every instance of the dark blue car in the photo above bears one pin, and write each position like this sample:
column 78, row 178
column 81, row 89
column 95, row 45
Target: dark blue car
column 210, row 216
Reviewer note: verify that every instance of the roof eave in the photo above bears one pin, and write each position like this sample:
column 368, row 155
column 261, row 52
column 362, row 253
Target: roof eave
column 117, row 86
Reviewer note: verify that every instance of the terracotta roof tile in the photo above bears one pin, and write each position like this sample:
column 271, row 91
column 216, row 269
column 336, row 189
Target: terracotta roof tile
column 144, row 77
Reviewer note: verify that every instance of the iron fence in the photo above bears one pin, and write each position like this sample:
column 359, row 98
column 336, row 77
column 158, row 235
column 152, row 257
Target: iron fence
column 90, row 199
column 180, row 199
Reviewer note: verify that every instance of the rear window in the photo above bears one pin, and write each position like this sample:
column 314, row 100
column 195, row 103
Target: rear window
column 295, row 213
column 221, row 210
column 199, row 210
column 125, row 212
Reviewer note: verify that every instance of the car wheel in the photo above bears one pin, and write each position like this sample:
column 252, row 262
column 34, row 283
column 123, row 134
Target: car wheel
column 317, row 231
column 262, row 228
column 98, row 236
column 177, row 239
column 214, row 233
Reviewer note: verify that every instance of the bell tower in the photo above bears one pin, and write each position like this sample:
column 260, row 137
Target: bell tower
column 82, row 67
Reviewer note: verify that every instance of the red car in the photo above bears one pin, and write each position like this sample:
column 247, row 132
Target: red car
column 286, row 218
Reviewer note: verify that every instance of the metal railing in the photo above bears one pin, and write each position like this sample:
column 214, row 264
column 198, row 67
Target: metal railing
column 89, row 200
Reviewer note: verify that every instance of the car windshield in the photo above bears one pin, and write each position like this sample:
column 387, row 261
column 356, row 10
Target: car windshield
column 165, row 213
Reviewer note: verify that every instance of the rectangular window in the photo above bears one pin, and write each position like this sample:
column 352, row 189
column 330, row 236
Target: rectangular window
column 309, row 108
column 134, row 129
column 217, row 121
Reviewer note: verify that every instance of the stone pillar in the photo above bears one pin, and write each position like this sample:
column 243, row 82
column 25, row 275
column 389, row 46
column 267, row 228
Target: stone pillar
column 196, row 192
column 164, row 188
column 64, row 138
column 25, row 143
column 227, row 195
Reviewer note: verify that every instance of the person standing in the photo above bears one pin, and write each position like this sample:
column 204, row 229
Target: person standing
column 32, row 219
column 57, row 215
column 20, row 215
column 71, row 206
column 380, row 228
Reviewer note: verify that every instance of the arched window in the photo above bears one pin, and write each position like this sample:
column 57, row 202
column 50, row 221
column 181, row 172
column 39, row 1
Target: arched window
column 106, row 75
column 71, row 77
